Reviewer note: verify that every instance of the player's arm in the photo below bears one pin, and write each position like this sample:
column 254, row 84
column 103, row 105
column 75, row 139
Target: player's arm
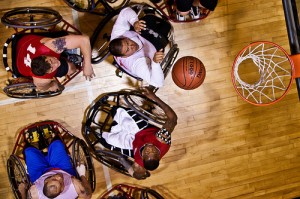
column 70, row 42
column 125, row 20
column 47, row 84
column 171, row 121
column 82, row 187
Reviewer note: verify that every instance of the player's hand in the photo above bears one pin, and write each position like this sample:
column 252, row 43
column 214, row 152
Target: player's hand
column 81, row 170
column 159, row 56
column 22, row 186
column 139, row 26
column 88, row 71
column 148, row 93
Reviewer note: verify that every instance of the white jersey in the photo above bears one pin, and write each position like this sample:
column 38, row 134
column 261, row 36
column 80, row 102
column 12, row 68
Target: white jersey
column 141, row 63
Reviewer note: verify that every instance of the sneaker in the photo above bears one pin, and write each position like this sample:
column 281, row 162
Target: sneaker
column 195, row 12
column 180, row 17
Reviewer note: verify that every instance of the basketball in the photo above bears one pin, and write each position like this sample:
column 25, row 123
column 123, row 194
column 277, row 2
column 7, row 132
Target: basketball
column 188, row 73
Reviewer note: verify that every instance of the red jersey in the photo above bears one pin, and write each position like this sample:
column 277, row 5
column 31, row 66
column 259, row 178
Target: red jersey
column 147, row 136
column 29, row 47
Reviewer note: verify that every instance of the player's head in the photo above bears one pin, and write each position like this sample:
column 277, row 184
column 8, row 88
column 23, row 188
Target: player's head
column 44, row 64
column 151, row 157
column 123, row 47
column 53, row 185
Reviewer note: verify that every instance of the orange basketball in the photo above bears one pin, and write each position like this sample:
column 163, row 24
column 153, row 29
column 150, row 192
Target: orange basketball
column 188, row 73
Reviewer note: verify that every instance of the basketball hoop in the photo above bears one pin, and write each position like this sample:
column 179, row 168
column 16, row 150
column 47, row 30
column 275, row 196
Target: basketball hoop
column 262, row 73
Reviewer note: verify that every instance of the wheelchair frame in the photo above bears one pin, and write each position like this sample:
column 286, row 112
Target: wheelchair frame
column 132, row 192
column 168, row 60
column 99, row 118
column 76, row 147
column 18, row 88
column 91, row 6
column 168, row 10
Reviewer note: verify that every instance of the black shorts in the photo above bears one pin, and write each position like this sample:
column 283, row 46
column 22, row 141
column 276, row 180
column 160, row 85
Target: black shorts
column 184, row 5
column 157, row 31
column 63, row 69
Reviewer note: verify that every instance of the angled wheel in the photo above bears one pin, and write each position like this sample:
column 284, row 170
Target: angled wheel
column 150, row 194
column 81, row 6
column 145, row 107
column 111, row 160
column 26, row 91
column 81, row 154
column 17, row 174
column 169, row 59
column 101, row 37
column 31, row 17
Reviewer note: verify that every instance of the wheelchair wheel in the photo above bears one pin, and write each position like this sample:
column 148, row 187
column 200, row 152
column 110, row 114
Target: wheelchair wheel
column 150, row 194
column 26, row 91
column 17, row 174
column 101, row 37
column 111, row 160
column 81, row 154
column 31, row 17
column 145, row 107
column 81, row 5
column 169, row 59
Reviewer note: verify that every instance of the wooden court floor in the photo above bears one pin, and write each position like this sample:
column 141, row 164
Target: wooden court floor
column 222, row 146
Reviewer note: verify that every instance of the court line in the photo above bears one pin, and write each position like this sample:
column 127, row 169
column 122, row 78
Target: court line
column 91, row 98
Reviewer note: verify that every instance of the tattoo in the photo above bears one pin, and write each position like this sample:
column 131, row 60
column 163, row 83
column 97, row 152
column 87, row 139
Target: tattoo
column 59, row 44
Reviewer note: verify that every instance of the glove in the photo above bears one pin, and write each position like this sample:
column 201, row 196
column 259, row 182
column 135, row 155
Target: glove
column 81, row 170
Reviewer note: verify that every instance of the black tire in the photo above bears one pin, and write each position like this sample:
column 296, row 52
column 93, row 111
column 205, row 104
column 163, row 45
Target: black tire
column 31, row 17
column 81, row 154
column 150, row 194
column 80, row 5
column 169, row 59
column 16, row 174
column 110, row 159
column 145, row 107
column 101, row 37
column 27, row 91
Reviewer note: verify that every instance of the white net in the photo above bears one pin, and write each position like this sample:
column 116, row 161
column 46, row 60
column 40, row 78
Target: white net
column 262, row 73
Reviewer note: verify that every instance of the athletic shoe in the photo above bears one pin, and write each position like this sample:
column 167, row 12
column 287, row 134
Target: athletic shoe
column 180, row 17
column 195, row 12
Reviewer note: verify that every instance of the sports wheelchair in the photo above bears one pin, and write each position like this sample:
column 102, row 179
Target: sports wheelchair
column 77, row 149
column 101, row 37
column 99, row 118
column 168, row 9
column 41, row 21
column 98, row 7
column 123, row 191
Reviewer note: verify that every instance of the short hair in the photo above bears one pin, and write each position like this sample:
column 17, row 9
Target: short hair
column 115, row 47
column 48, row 191
column 39, row 66
column 151, row 164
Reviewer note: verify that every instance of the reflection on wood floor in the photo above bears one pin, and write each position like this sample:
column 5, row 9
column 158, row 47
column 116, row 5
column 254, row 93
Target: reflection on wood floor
column 222, row 146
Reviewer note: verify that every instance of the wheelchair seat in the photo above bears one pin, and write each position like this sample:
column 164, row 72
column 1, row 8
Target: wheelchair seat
column 99, row 118
column 76, row 148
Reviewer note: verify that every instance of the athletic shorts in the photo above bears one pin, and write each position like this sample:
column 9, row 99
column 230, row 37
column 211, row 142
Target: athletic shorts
column 184, row 5
column 63, row 69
